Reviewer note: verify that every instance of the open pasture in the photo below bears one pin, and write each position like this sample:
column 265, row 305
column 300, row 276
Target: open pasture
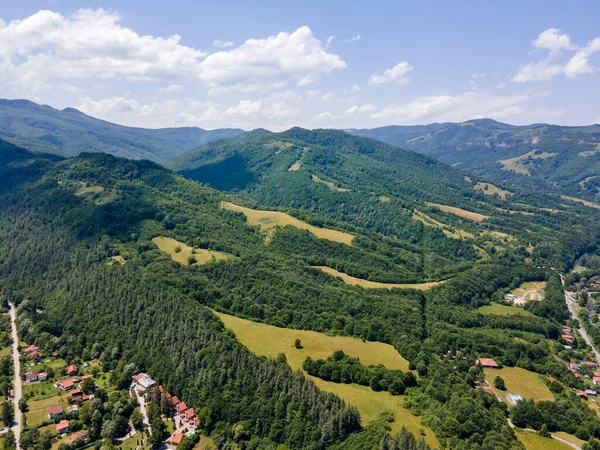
column 375, row 284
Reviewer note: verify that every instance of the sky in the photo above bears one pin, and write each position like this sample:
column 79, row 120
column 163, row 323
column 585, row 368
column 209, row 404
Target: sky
column 315, row 64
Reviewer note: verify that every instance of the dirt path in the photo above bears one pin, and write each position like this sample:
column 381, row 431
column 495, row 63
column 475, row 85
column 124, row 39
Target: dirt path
column 17, row 389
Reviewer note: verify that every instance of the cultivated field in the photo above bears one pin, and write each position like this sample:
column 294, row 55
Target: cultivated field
column 533, row 441
column 460, row 212
column 268, row 340
column 490, row 189
column 533, row 290
column 268, row 220
column 527, row 384
column 374, row 284
column 518, row 164
column 502, row 310
column 202, row 256
column 329, row 184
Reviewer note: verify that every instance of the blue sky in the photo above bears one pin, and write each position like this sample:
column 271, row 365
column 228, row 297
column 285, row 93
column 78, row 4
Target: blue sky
column 313, row 64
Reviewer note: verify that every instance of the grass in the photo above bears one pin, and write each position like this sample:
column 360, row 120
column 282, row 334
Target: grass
column 119, row 259
column 528, row 385
column 502, row 310
column 476, row 217
column 490, row 189
column 428, row 221
column 38, row 410
column 98, row 195
column 570, row 438
column 268, row 340
column 131, row 442
column 47, row 387
column 268, row 220
column 296, row 166
column 532, row 290
column 533, row 441
column 202, row 256
column 205, row 443
column 375, row 284
column 329, row 184
column 579, row 200
column 518, row 163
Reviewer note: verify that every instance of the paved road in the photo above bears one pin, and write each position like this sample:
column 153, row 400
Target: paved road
column 145, row 422
column 554, row 436
column 17, row 390
column 570, row 303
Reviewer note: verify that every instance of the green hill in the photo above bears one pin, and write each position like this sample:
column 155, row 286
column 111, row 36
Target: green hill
column 556, row 158
column 70, row 132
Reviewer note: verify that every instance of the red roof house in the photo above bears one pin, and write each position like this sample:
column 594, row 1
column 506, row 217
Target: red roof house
column 55, row 411
column 176, row 439
column 181, row 407
column 31, row 376
column 80, row 435
column 488, row 363
column 188, row 414
column 62, row 427
column 174, row 401
column 72, row 370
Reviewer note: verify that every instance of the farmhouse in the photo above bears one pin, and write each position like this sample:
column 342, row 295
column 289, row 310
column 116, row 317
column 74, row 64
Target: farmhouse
column 55, row 411
column 176, row 439
column 62, row 427
column 488, row 363
column 31, row 376
column 80, row 435
column 72, row 370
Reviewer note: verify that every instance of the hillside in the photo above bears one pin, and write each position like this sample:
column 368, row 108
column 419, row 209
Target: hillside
column 557, row 158
column 70, row 132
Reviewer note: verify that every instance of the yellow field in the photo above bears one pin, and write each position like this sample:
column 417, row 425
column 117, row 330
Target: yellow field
column 518, row 163
column 579, row 200
column 329, row 184
column 375, row 284
column 533, row 441
column 428, row 221
column 268, row 340
column 532, row 290
column 527, row 384
column 202, row 256
column 268, row 220
column 490, row 189
column 460, row 212
column 295, row 167
column 119, row 259
column 502, row 310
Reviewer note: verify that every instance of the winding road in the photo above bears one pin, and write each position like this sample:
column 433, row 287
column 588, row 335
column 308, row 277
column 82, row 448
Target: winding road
column 17, row 389
column 571, row 304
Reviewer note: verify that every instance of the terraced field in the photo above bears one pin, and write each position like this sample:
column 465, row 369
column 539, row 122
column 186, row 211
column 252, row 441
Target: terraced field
column 375, row 284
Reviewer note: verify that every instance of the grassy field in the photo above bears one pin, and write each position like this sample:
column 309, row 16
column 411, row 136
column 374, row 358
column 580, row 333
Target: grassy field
column 38, row 409
column 268, row 220
column 532, row 290
column 533, row 441
column 374, row 284
column 329, row 184
column 119, row 259
column 202, row 256
column 490, row 189
column 518, row 164
column 502, row 310
column 205, row 443
column 585, row 202
column 428, row 221
column 131, row 442
column 570, row 438
column 460, row 212
column 98, row 195
column 268, row 340
column 527, row 384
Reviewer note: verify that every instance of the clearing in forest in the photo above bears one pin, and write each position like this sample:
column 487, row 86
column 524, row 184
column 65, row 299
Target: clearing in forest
column 533, row 441
column 97, row 194
column 580, row 200
column 528, row 385
column 502, row 310
column 451, row 232
column 518, row 164
column 268, row 340
column 375, row 284
column 460, row 212
column 181, row 253
column 490, row 189
column 119, row 259
column 268, row 220
column 532, row 290
column 329, row 184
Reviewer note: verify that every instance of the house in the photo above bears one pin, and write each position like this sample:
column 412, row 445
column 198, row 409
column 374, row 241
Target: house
column 55, row 354
column 76, row 395
column 32, row 351
column 64, row 385
column 31, row 376
column 193, row 422
column 488, row 363
column 72, row 409
column 575, row 367
column 62, row 427
column 174, row 401
column 567, row 338
column 566, row 330
column 143, row 382
column 176, row 438
column 596, row 381
column 79, row 436
column 72, row 370
column 181, row 407
column 591, row 392
column 590, row 364
column 582, row 395
column 188, row 414
column 42, row 376
column 597, row 374
column 55, row 411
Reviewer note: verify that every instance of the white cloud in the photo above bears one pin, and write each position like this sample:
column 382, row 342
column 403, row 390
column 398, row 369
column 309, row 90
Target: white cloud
column 361, row 109
column 223, row 44
column 579, row 64
column 329, row 42
column 352, row 89
column 325, row 116
column 108, row 107
column 273, row 62
column 553, row 40
column 353, row 39
column 468, row 105
column 172, row 89
column 396, row 73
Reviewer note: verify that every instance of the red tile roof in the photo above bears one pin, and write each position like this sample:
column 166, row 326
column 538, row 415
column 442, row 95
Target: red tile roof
column 55, row 410
column 62, row 425
column 181, row 407
column 72, row 368
column 140, row 376
column 176, row 439
column 174, row 400
column 76, row 436
column 189, row 413
column 488, row 362
column 67, row 384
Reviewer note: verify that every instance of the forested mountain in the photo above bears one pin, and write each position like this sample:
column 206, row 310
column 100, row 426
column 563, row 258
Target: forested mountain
column 69, row 132
column 557, row 158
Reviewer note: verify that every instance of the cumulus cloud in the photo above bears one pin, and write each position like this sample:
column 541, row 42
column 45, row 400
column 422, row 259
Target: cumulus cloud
column 353, row 39
column 553, row 65
column 459, row 107
column 273, row 62
column 172, row 89
column 396, row 74
column 360, row 109
column 223, row 44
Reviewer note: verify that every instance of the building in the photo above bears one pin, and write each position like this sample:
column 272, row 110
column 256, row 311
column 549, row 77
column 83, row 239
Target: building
column 31, row 376
column 568, row 347
column 72, row 370
column 76, row 395
column 181, row 407
column 590, row 364
column 176, row 438
column 575, row 367
column 596, row 381
column 188, row 414
column 591, row 392
column 174, row 401
column 143, row 382
column 73, row 409
column 566, row 330
column 80, row 435
column 513, row 399
column 54, row 412
column 42, row 376
column 488, row 363
column 582, row 395
column 62, row 427
column 64, row 385
column 567, row 338
column 32, row 351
